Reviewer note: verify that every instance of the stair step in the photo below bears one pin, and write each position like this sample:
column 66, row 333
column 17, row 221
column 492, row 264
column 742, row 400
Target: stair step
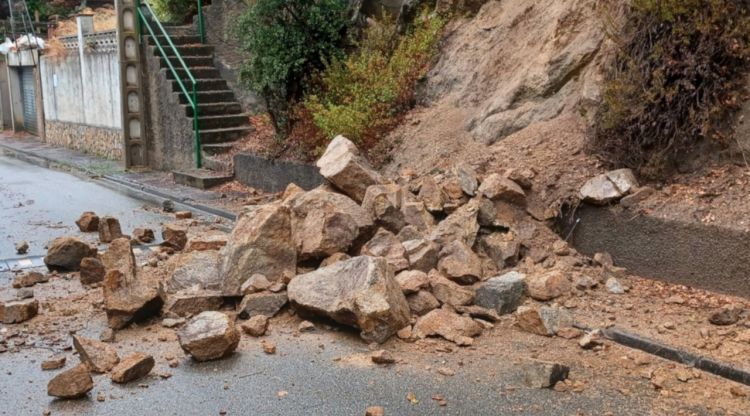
column 224, row 135
column 213, row 84
column 217, row 148
column 190, row 61
column 180, row 30
column 209, row 97
column 201, row 178
column 204, row 72
column 177, row 39
column 214, row 109
column 188, row 50
column 216, row 164
column 215, row 122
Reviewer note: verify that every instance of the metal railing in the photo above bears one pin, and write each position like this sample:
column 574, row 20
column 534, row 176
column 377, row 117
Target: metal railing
column 192, row 93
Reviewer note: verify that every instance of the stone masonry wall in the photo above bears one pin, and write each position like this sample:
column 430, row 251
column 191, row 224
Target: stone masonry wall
column 99, row 141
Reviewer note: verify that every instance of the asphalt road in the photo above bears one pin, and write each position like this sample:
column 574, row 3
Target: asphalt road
column 38, row 205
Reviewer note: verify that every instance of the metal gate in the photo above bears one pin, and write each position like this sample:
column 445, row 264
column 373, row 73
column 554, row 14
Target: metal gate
column 28, row 96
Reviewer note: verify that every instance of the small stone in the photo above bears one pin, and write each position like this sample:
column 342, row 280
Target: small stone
column 382, row 357
column 109, row 229
column 133, row 367
column 613, row 286
column 467, row 178
column 54, row 363
column 24, row 293
column 268, row 347
column 449, row 325
column 544, row 320
column 167, row 206
column 676, row 300
column 264, row 303
column 88, row 222
column 404, row 333
column 411, row 281
column 385, row 244
column 107, row 335
column 502, row 293
column 422, row 302
column 561, row 248
column 183, row 215
column 92, row 271
column 726, row 316
column 375, row 411
column 209, row 336
column 98, row 356
column 737, row 391
column 306, row 326
column 66, row 253
column 144, row 235
column 585, row 283
column 100, row 397
column 603, row 259
column 277, row 287
column 15, row 312
column 590, row 340
column 175, row 236
column 255, row 283
column 22, row 247
column 334, row 258
column 446, row 371
column 71, row 384
column 255, row 326
column 548, row 286
column 172, row 322
column 209, row 242
column 543, row 374
column 29, row 279
column 569, row 333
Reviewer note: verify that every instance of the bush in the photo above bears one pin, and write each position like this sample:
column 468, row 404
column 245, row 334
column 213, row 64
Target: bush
column 677, row 77
column 361, row 96
column 174, row 11
column 286, row 41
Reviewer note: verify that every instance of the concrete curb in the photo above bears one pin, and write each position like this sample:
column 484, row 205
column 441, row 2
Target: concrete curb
column 132, row 189
column 674, row 354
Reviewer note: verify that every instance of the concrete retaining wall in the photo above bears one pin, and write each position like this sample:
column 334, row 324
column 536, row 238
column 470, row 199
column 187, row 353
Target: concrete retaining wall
column 274, row 175
column 99, row 141
column 703, row 256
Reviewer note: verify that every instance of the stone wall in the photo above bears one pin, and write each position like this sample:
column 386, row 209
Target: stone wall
column 221, row 17
column 99, row 141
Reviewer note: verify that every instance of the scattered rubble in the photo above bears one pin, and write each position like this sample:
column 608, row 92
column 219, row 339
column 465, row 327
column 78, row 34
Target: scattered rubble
column 54, row 363
column 255, row 326
column 614, row 287
column 133, row 367
column 209, row 336
column 144, row 235
column 71, row 384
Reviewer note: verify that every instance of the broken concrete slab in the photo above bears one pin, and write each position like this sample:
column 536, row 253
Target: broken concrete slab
column 360, row 292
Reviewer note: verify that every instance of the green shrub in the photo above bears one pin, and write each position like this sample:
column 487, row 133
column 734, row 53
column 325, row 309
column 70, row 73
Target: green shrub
column 361, row 96
column 677, row 77
column 286, row 41
column 174, row 11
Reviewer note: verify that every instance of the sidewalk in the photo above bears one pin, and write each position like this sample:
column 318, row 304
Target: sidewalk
column 150, row 186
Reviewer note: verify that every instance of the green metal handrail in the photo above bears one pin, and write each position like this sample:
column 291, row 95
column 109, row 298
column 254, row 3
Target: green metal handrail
column 201, row 23
column 192, row 96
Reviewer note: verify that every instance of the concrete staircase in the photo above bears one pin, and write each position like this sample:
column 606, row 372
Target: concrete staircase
column 220, row 116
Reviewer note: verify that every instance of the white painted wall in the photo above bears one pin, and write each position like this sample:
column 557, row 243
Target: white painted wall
column 82, row 88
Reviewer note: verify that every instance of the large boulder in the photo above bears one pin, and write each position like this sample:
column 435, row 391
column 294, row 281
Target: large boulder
column 343, row 165
column 197, row 270
column 384, row 203
column 459, row 263
column 325, row 223
column 360, row 292
column 209, row 336
column 461, row 225
column 128, row 296
column 66, row 253
column 385, row 244
column 261, row 243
